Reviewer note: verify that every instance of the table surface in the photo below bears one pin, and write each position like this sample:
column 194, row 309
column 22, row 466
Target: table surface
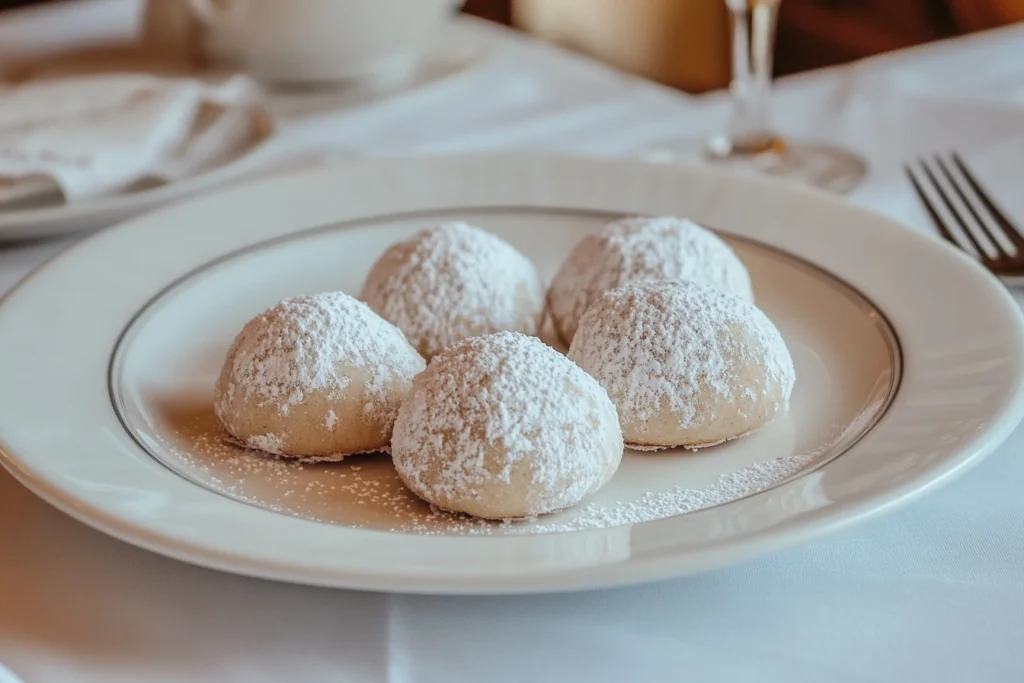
column 934, row 592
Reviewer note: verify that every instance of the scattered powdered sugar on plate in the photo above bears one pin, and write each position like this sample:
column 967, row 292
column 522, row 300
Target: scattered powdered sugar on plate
column 639, row 249
column 366, row 492
column 506, row 409
column 338, row 493
column 679, row 500
column 454, row 281
column 663, row 344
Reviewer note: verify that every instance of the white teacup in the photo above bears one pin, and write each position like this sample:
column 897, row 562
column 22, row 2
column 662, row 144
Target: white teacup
column 310, row 41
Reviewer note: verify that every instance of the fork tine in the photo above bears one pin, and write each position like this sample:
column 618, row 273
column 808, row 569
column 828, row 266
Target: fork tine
column 936, row 216
column 923, row 196
column 982, row 224
column 1011, row 230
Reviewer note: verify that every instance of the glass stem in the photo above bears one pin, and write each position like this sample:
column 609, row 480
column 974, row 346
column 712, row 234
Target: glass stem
column 753, row 38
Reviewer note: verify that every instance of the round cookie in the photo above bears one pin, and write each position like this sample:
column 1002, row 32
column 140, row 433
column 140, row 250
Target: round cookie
column 503, row 426
column 455, row 281
column 315, row 377
column 639, row 249
column 685, row 364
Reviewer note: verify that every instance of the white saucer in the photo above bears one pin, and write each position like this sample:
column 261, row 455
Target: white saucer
column 456, row 53
column 902, row 382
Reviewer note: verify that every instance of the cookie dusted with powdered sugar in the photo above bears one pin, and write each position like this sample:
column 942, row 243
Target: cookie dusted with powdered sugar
column 685, row 364
column 503, row 426
column 636, row 250
column 452, row 282
column 316, row 377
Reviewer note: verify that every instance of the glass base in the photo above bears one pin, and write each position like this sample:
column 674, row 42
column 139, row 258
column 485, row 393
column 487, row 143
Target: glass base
column 824, row 166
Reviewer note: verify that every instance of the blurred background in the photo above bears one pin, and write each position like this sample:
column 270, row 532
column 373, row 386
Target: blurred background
column 684, row 43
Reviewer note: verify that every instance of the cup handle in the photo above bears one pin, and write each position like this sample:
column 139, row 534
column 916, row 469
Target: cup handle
column 222, row 13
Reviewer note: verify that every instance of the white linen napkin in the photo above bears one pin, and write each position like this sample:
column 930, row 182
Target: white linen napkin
column 94, row 136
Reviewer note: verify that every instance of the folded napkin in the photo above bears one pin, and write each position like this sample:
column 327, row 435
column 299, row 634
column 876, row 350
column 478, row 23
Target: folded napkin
column 88, row 137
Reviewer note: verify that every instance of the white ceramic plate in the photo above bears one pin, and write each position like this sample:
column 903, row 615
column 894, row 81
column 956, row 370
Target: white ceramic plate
column 909, row 359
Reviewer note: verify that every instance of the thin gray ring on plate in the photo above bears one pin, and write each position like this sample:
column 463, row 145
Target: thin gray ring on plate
column 858, row 298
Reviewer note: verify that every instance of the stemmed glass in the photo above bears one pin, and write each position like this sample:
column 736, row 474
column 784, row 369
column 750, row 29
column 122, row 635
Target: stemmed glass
column 748, row 139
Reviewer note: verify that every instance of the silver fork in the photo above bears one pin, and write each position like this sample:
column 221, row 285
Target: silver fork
column 965, row 213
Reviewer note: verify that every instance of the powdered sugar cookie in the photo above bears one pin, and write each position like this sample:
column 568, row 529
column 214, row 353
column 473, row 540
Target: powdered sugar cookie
column 455, row 281
column 315, row 377
column 639, row 249
column 504, row 426
column 685, row 364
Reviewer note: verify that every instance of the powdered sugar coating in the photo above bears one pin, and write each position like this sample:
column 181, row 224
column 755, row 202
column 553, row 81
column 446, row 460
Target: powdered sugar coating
column 326, row 352
column 268, row 443
column 504, row 426
column 455, row 281
column 635, row 250
column 684, row 363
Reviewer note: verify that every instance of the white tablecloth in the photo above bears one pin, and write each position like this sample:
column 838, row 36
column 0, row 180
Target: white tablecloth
column 932, row 593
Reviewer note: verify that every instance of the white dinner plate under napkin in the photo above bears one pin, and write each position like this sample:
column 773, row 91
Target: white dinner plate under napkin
column 81, row 152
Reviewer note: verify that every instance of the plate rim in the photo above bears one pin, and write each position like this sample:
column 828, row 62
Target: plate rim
column 828, row 521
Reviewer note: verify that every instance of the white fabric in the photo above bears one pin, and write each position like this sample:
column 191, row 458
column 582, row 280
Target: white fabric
column 934, row 592
column 96, row 136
